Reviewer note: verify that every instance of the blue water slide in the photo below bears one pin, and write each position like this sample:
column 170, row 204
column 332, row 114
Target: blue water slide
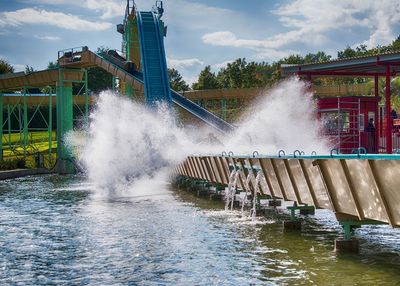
column 154, row 64
column 178, row 99
column 155, row 72
column 201, row 113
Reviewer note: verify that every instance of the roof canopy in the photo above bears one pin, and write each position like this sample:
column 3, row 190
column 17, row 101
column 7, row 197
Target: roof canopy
column 366, row 66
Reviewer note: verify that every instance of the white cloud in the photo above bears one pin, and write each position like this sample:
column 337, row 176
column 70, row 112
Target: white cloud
column 58, row 19
column 190, row 79
column 189, row 15
column 265, row 49
column 312, row 19
column 309, row 22
column 108, row 8
column 184, row 63
column 18, row 67
column 47, row 38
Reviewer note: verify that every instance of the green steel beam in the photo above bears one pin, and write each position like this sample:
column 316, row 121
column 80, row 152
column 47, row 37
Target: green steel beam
column 349, row 225
column 50, row 125
column 296, row 207
column 25, row 126
column 223, row 108
column 20, row 122
column 113, row 83
column 86, row 97
column 129, row 90
column 9, row 125
column 64, row 102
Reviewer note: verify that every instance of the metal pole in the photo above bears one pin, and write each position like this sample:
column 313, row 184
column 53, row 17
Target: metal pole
column 20, row 123
column 376, row 119
column 388, row 115
column 113, row 83
column 25, row 124
column 64, row 103
column 50, row 127
column 339, row 126
column 9, row 125
column 223, row 108
column 310, row 83
column 86, row 97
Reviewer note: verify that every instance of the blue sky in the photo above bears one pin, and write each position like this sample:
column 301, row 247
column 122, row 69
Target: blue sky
column 200, row 32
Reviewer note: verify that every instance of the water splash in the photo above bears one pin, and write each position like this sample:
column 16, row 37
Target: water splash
column 128, row 145
column 285, row 118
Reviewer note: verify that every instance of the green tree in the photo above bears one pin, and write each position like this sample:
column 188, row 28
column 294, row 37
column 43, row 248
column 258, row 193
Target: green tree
column 241, row 74
column 207, row 80
column 5, row 67
column 29, row 69
column 176, row 81
column 99, row 79
column 52, row 65
column 232, row 75
column 348, row 52
column 316, row 58
column 396, row 44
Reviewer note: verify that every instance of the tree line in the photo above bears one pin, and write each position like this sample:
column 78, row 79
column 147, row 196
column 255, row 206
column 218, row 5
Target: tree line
column 243, row 74
column 237, row 74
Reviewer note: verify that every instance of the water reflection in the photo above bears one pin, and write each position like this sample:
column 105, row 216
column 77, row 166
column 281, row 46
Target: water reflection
column 54, row 231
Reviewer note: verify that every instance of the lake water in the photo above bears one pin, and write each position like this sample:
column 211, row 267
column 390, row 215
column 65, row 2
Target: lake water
column 54, row 230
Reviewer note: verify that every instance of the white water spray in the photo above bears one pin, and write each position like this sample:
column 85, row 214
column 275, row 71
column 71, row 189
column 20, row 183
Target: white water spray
column 129, row 145
column 283, row 119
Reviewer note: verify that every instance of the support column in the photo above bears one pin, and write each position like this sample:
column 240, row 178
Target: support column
column 1, row 126
column 113, row 85
column 9, row 125
column 129, row 90
column 388, row 115
column 50, row 127
column 86, row 97
column 25, row 126
column 310, row 83
column 376, row 119
column 223, row 108
column 64, row 125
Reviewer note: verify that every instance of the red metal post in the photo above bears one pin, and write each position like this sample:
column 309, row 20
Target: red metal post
column 310, row 83
column 376, row 119
column 388, row 114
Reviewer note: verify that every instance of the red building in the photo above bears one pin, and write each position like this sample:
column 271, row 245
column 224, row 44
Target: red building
column 350, row 122
column 377, row 66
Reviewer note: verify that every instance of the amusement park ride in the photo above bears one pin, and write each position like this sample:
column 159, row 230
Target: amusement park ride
column 141, row 71
column 359, row 188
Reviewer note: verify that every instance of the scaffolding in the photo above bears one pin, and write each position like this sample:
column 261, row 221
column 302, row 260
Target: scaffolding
column 28, row 114
column 343, row 124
